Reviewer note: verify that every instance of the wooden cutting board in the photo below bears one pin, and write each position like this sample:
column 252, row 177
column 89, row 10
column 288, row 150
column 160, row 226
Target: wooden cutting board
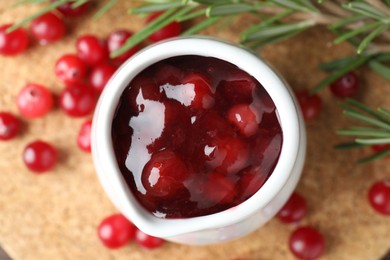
column 55, row 215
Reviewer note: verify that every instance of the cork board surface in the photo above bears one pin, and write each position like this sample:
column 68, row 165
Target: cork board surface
column 54, row 216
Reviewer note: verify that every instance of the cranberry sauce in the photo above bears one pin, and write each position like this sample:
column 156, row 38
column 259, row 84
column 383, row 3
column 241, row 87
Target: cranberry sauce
column 194, row 136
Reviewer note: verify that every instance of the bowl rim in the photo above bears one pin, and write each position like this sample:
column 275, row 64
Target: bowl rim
column 102, row 149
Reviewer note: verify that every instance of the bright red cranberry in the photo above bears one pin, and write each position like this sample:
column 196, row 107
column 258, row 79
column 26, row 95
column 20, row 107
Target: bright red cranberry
column 34, row 101
column 68, row 11
column 91, row 49
column 9, row 126
column 164, row 174
column 14, row 42
column 40, row 156
column 200, row 94
column 171, row 30
column 307, row 243
column 116, row 231
column 47, row 28
column 100, row 76
column 147, row 241
column 345, row 86
column 310, row 104
column 116, row 40
column 245, row 118
column 379, row 197
column 294, row 209
column 84, row 136
column 70, row 69
column 77, row 100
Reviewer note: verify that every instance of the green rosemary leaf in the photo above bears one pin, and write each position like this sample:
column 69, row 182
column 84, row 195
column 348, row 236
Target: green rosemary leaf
column 105, row 9
column 229, row 9
column 365, row 9
column 297, row 5
column 79, row 3
column 376, row 156
column 192, row 15
column 371, row 36
column 270, row 40
column 353, row 64
column 384, row 111
column 347, row 20
column 338, row 64
column 357, row 31
column 367, row 133
column 212, row 2
column 201, row 26
column 379, row 68
column 348, row 146
column 368, row 120
column 371, row 141
column 151, row 8
column 384, row 56
column 367, row 110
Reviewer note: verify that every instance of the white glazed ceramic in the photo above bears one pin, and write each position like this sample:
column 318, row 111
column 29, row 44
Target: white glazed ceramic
column 234, row 222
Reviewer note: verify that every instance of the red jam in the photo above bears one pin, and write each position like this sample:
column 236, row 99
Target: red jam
column 194, row 136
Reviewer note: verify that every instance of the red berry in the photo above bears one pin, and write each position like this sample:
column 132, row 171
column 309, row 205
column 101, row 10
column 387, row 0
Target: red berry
column 77, row 100
column 200, row 95
column 70, row 69
column 68, row 11
column 116, row 231
column 9, row 126
column 91, row 49
column 345, row 86
column 380, row 147
column 164, row 174
column 310, row 104
column 147, row 241
column 84, row 136
column 294, row 209
column 379, row 197
column 40, row 156
column 34, row 101
column 171, row 30
column 116, row 40
column 14, row 42
column 47, row 28
column 306, row 243
column 100, row 76
column 245, row 118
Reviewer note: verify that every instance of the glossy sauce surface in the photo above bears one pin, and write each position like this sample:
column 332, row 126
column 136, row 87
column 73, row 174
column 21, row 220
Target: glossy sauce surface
column 194, row 136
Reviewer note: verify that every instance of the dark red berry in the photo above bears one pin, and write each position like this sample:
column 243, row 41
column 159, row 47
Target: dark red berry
column 9, row 126
column 245, row 118
column 147, row 241
column 77, row 100
column 379, row 197
column 47, row 28
column 68, row 11
column 91, row 49
column 84, row 136
column 307, row 243
column 345, row 86
column 380, row 147
column 34, row 101
column 70, row 69
column 116, row 231
column 171, row 30
column 14, row 42
column 116, row 40
column 310, row 104
column 100, row 76
column 294, row 209
column 40, row 156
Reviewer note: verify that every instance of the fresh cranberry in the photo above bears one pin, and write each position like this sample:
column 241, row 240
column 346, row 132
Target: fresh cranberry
column 40, row 156
column 310, row 104
column 34, row 101
column 379, row 197
column 200, row 92
column 164, row 174
column 91, row 49
column 147, row 241
column 100, row 76
column 70, row 69
column 345, row 86
column 116, row 40
column 116, row 231
column 307, row 243
column 380, row 147
column 68, row 11
column 294, row 209
column 14, row 42
column 245, row 118
column 84, row 136
column 47, row 28
column 77, row 100
column 171, row 30
column 9, row 126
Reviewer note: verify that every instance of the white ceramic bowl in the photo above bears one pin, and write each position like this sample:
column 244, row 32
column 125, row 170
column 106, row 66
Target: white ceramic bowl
column 234, row 222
